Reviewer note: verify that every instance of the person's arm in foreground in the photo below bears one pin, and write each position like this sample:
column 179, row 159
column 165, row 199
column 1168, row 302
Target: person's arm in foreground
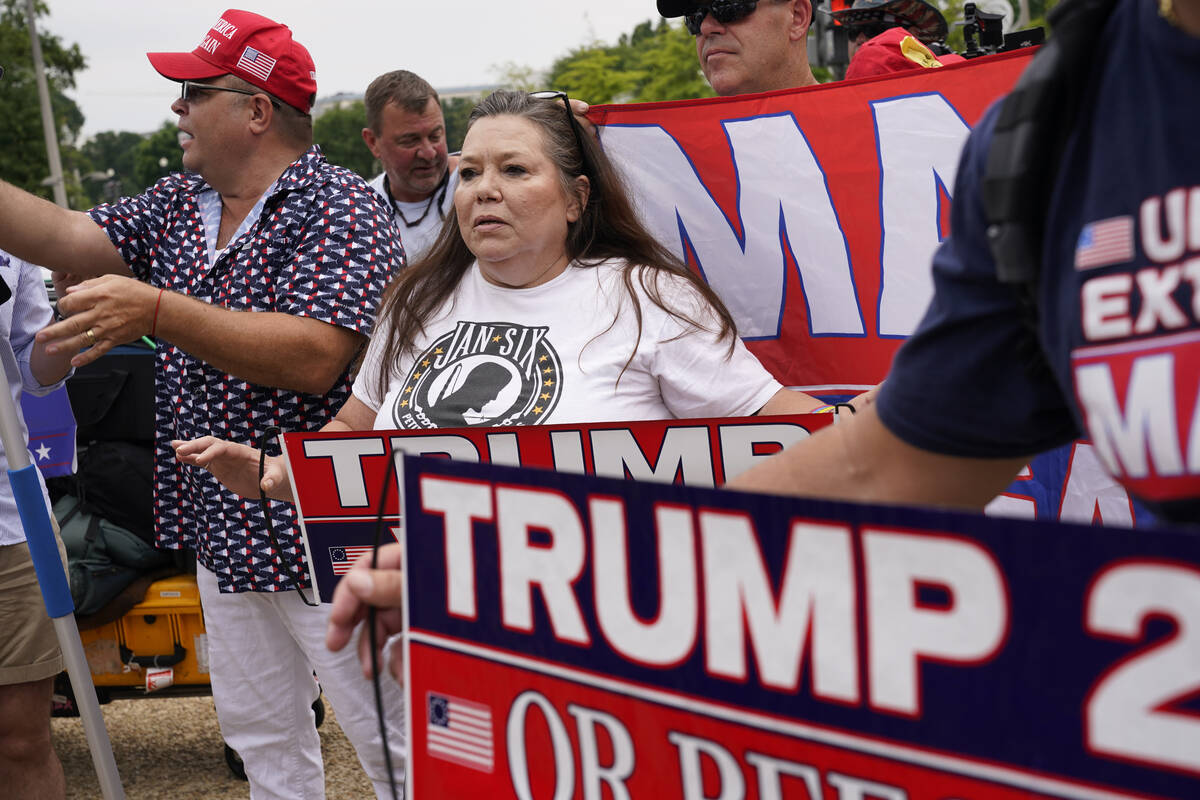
column 363, row 587
column 859, row 459
column 40, row 232
column 791, row 401
column 235, row 465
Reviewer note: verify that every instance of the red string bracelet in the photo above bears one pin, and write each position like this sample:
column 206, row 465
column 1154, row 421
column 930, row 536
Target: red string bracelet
column 157, row 303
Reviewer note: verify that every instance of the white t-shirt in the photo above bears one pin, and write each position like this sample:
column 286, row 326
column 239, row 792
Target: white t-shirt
column 553, row 354
column 418, row 237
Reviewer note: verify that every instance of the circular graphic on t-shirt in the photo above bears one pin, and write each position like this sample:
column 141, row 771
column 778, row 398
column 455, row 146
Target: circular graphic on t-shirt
column 481, row 374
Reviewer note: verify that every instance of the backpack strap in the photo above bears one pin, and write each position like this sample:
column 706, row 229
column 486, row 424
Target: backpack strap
column 1031, row 132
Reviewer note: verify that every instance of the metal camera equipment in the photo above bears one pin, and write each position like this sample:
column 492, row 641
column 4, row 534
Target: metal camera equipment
column 982, row 32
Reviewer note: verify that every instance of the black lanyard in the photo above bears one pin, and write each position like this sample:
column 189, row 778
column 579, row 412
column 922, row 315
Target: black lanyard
column 443, row 184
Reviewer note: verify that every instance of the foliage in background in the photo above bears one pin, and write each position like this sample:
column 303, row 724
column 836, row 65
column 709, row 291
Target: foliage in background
column 148, row 156
column 339, row 132
column 654, row 62
column 518, row 77
column 23, row 155
column 455, row 111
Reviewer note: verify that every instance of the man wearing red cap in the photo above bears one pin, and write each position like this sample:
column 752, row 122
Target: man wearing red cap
column 259, row 270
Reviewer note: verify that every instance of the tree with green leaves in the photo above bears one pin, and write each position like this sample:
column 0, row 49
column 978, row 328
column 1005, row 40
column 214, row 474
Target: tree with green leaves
column 23, row 154
column 110, row 150
column 157, row 155
column 456, row 111
column 339, row 132
column 654, row 62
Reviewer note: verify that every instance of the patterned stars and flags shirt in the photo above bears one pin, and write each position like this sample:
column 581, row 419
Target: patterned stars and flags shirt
column 318, row 244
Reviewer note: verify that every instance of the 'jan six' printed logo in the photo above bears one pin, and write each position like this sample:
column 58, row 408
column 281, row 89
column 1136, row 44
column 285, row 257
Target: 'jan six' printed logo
column 481, row 374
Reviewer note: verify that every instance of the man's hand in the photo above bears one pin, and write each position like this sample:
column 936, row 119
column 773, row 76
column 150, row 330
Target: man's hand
column 101, row 313
column 363, row 587
column 63, row 281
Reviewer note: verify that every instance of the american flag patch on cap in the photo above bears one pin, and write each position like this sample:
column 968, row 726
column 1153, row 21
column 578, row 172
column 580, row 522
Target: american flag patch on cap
column 256, row 63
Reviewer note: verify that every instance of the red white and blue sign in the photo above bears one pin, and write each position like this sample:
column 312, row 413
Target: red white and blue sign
column 629, row 639
column 341, row 480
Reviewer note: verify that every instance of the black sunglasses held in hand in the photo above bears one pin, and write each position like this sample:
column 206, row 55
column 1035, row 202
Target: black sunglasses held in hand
column 723, row 11
column 551, row 94
column 189, row 90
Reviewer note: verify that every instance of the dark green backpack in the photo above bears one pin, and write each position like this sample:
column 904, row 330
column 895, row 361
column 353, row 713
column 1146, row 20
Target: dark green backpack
column 102, row 557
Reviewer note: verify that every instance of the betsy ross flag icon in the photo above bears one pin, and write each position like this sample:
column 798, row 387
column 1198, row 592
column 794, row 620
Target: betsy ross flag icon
column 343, row 558
column 459, row 731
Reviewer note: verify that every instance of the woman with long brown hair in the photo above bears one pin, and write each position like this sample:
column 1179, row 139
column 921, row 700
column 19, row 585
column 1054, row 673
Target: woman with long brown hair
column 543, row 300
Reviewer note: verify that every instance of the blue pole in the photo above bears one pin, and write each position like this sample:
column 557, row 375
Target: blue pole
column 56, row 592
column 27, row 490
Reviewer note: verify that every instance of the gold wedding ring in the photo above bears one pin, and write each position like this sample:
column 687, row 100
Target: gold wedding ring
column 90, row 335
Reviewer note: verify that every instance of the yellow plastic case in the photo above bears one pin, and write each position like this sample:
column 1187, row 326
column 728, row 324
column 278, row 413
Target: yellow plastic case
column 165, row 630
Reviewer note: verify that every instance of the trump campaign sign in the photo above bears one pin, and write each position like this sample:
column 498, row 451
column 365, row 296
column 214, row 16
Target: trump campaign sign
column 344, row 496
column 570, row 636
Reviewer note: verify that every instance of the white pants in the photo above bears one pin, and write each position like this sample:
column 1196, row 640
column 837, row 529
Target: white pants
column 262, row 650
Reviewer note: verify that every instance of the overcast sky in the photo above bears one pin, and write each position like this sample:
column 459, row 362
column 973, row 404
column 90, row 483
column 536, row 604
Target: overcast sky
column 448, row 42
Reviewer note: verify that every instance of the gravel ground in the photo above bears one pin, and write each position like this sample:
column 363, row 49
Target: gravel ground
column 171, row 747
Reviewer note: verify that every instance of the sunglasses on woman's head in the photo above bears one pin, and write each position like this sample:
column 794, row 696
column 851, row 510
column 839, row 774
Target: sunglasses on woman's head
column 723, row 11
column 552, row 94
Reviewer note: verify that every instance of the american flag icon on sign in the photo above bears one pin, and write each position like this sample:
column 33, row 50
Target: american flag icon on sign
column 256, row 63
column 459, row 731
column 343, row 558
column 1105, row 242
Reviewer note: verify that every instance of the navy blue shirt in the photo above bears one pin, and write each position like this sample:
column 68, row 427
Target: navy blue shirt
column 1118, row 302
column 318, row 244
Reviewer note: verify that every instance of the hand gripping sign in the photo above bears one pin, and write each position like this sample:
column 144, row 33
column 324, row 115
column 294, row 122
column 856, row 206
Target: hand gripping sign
column 573, row 636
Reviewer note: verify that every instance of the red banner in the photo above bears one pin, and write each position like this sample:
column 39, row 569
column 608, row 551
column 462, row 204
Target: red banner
column 813, row 212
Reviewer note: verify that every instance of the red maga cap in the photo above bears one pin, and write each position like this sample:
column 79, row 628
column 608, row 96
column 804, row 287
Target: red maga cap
column 255, row 49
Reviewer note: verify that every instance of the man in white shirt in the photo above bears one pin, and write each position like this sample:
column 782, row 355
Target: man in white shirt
column 406, row 132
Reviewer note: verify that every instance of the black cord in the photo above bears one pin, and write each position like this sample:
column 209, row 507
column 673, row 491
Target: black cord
column 373, row 638
column 272, row 432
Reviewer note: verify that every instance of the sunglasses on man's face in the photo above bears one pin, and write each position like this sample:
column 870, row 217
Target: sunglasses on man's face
column 723, row 11
column 190, row 89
